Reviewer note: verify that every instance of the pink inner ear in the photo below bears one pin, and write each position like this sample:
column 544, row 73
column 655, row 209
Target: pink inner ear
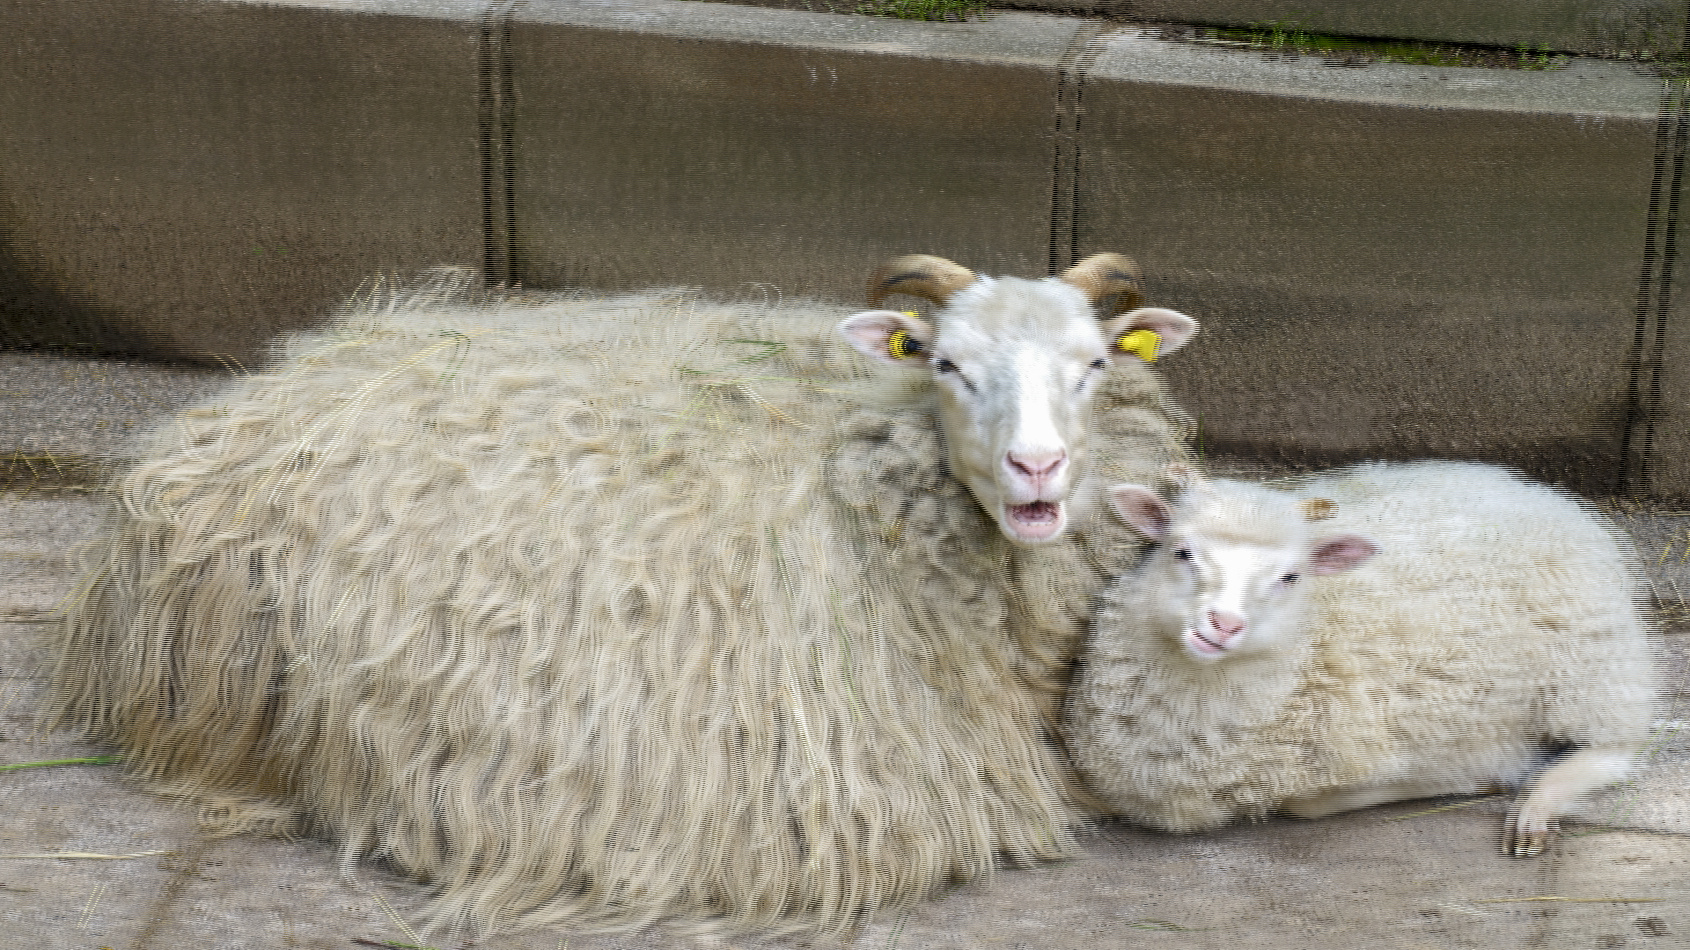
column 871, row 331
column 1141, row 510
column 1175, row 328
column 1340, row 553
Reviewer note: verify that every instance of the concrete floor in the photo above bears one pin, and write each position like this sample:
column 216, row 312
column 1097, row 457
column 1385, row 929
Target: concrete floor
column 86, row 861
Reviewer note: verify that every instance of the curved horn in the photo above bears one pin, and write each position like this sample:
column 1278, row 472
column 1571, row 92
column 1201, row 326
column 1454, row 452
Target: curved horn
column 919, row 275
column 1112, row 282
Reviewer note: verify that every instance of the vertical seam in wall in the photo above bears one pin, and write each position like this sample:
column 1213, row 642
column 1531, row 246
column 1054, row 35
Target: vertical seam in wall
column 1077, row 60
column 495, row 119
column 1630, row 466
column 507, row 137
column 1663, row 289
column 1654, row 291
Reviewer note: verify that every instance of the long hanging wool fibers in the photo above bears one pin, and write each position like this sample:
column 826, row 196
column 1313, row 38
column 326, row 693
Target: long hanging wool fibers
column 596, row 611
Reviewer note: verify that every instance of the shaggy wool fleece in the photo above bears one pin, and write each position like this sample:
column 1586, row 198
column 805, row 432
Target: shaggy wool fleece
column 597, row 611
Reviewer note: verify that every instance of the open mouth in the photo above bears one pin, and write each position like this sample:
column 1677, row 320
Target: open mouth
column 1036, row 520
column 1203, row 645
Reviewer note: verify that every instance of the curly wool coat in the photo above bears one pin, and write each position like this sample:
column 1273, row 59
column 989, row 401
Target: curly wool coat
column 1499, row 617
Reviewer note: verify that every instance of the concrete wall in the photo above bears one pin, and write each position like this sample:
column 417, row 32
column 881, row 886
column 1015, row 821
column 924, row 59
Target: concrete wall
column 1399, row 261
column 1389, row 261
column 193, row 177
column 797, row 150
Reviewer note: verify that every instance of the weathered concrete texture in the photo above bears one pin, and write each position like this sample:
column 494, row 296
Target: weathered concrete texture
column 189, row 178
column 1395, row 261
column 80, row 406
column 38, row 538
column 785, row 154
column 1622, row 889
column 1375, row 878
column 81, row 902
column 1590, row 26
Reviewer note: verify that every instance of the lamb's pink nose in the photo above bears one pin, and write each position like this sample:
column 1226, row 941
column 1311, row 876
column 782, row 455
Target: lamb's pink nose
column 1225, row 624
column 1037, row 465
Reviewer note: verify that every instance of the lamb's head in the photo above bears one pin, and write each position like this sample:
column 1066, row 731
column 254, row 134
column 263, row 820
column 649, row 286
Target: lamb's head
column 1015, row 365
column 1226, row 577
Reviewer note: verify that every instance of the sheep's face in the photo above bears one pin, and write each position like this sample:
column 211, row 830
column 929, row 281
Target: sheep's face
column 1230, row 565
column 1015, row 365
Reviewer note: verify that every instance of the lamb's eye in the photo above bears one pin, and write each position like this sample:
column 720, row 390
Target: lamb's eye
column 1289, row 578
column 1099, row 363
column 1183, row 554
column 944, row 366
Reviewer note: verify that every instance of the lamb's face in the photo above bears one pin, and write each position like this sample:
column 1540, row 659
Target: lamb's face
column 1015, row 366
column 1231, row 599
column 1230, row 567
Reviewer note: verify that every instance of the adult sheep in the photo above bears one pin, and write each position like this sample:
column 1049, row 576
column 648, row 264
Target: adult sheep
column 605, row 610
column 1433, row 633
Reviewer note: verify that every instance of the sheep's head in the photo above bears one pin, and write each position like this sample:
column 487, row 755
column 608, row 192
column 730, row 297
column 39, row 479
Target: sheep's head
column 1015, row 365
column 1227, row 574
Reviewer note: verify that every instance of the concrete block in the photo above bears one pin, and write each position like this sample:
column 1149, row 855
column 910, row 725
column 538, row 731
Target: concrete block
column 58, row 407
column 756, row 152
column 1395, row 261
column 1620, row 889
column 191, row 178
column 1586, row 26
column 1381, row 877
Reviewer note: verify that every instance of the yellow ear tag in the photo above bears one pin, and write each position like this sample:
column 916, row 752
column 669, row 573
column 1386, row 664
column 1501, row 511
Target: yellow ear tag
column 901, row 345
column 1140, row 343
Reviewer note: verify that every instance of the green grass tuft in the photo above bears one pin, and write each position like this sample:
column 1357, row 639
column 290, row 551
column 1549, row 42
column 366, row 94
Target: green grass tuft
column 923, row 9
column 1290, row 39
column 93, row 760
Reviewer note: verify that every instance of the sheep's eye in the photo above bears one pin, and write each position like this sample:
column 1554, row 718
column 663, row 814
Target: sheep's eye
column 1289, row 578
column 944, row 366
column 1183, row 554
column 1099, row 363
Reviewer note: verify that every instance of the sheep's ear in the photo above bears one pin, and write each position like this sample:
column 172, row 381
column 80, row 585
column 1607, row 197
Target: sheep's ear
column 1148, row 333
column 1141, row 509
column 1340, row 552
column 888, row 335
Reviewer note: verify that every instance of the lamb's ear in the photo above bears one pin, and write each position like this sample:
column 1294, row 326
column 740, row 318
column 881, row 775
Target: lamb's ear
column 888, row 335
column 1141, row 509
column 1148, row 333
column 1340, row 552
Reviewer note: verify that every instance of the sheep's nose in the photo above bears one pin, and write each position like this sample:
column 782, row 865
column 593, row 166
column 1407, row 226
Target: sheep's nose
column 1225, row 624
column 1037, row 465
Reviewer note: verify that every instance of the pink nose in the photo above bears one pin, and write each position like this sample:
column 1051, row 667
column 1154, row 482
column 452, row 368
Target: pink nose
column 1225, row 624
column 1037, row 465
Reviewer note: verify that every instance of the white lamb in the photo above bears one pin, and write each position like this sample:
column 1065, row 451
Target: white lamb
column 1380, row 633
column 601, row 611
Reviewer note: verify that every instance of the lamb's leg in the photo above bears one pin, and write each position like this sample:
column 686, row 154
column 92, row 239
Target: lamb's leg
column 1533, row 822
column 1366, row 796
